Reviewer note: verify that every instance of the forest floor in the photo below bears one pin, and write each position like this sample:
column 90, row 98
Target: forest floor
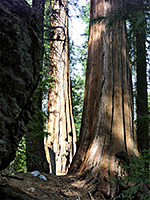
column 27, row 187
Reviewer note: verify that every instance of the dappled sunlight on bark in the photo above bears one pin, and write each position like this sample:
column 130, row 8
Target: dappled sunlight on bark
column 61, row 141
column 107, row 129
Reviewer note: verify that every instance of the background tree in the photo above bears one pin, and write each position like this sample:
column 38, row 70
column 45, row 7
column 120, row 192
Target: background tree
column 141, row 68
column 138, row 34
column 107, row 131
column 61, row 141
column 35, row 151
column 78, row 56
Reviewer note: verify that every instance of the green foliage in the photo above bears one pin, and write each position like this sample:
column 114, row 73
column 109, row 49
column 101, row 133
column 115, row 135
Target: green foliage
column 40, row 116
column 77, row 96
column 18, row 165
column 139, row 20
column 149, row 114
column 79, row 56
column 85, row 13
column 77, row 85
column 137, row 181
column 29, row 2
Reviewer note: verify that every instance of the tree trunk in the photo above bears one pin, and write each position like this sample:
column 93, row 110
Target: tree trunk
column 107, row 130
column 61, row 141
column 142, row 97
column 35, row 151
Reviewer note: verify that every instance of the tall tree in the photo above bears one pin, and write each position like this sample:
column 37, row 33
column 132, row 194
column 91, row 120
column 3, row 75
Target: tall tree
column 35, row 151
column 138, row 13
column 78, row 55
column 141, row 66
column 61, row 141
column 107, row 130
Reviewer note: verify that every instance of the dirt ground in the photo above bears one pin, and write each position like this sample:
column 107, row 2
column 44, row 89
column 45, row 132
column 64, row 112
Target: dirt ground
column 27, row 186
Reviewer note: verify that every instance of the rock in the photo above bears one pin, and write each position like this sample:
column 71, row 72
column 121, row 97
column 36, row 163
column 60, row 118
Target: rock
column 43, row 177
column 35, row 173
column 72, row 179
column 31, row 189
column 20, row 62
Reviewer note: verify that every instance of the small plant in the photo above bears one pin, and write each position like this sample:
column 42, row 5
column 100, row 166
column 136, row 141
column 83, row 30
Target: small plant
column 18, row 165
column 136, row 183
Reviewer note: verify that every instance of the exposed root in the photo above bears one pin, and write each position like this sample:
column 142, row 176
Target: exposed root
column 91, row 196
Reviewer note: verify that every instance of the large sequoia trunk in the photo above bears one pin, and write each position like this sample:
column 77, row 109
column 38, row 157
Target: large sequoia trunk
column 107, row 130
column 61, row 141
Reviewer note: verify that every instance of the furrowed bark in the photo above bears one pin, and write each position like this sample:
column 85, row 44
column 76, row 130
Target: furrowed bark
column 62, row 135
column 107, row 130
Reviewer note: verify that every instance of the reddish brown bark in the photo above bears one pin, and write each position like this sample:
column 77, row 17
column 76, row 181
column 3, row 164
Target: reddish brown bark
column 62, row 136
column 107, row 131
